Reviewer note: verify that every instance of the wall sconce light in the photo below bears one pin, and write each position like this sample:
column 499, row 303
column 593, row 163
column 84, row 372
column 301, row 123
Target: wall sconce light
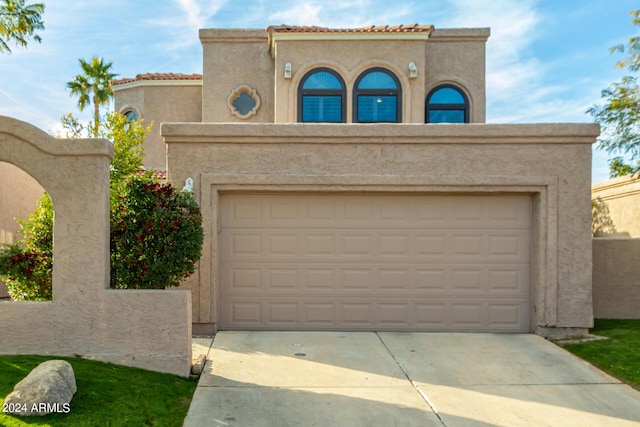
column 413, row 70
column 287, row 70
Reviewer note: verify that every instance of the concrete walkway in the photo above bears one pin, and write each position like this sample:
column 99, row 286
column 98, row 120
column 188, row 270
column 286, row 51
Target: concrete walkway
column 403, row 379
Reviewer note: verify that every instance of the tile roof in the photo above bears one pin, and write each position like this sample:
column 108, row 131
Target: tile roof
column 157, row 76
column 411, row 28
column 158, row 174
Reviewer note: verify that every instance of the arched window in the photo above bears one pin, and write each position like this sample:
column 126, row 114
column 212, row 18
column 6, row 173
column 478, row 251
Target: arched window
column 377, row 97
column 130, row 115
column 321, row 97
column 446, row 104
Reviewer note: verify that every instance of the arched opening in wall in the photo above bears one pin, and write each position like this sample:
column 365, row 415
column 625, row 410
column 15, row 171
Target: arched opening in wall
column 25, row 271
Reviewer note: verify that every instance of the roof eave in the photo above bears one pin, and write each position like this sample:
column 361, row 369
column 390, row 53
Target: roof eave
column 148, row 83
column 275, row 37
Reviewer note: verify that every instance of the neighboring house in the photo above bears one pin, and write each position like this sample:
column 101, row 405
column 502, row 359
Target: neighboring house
column 616, row 248
column 19, row 193
column 615, row 207
column 348, row 182
column 157, row 98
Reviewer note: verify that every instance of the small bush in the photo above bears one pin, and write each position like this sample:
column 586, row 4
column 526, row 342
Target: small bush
column 26, row 267
column 156, row 235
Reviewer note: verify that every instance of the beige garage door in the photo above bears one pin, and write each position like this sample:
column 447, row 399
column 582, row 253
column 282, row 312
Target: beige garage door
column 375, row 262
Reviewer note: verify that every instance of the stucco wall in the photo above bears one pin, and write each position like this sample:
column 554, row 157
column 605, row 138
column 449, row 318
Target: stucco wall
column 232, row 58
column 243, row 57
column 157, row 102
column 616, row 278
column 19, row 193
column 616, row 210
column 552, row 162
column 348, row 59
column 148, row 329
column 457, row 56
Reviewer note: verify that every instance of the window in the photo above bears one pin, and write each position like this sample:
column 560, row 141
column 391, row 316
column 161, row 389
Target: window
column 447, row 104
column 321, row 97
column 243, row 102
column 377, row 97
column 130, row 115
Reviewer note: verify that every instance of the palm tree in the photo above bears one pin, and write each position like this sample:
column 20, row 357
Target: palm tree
column 19, row 21
column 93, row 85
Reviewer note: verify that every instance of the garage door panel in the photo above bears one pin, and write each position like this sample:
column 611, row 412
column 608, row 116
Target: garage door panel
column 436, row 315
column 404, row 278
column 397, row 210
column 375, row 262
column 316, row 244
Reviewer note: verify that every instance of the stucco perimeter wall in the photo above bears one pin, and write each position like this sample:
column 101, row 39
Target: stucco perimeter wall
column 148, row 329
column 616, row 210
column 552, row 162
column 616, row 278
column 158, row 101
column 19, row 194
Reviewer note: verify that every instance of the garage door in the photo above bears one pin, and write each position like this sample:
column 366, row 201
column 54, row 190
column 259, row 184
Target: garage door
column 375, row 262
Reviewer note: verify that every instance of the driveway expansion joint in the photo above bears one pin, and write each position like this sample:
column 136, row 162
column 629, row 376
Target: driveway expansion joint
column 422, row 394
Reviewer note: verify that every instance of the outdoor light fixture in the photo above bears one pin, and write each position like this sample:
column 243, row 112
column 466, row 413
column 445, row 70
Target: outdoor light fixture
column 287, row 70
column 413, row 70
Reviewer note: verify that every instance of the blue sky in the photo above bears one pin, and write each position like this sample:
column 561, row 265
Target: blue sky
column 547, row 60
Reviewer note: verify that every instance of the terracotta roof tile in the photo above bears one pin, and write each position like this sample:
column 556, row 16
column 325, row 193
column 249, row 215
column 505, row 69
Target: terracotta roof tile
column 411, row 28
column 157, row 76
column 160, row 175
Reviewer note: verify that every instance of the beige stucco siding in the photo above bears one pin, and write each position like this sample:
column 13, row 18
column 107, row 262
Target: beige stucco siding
column 232, row 58
column 616, row 278
column 19, row 193
column 616, row 207
column 346, row 58
column 457, row 56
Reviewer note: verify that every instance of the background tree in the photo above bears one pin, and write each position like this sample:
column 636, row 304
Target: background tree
column 93, row 86
column 620, row 115
column 18, row 22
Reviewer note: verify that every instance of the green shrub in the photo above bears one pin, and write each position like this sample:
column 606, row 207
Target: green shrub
column 26, row 267
column 156, row 235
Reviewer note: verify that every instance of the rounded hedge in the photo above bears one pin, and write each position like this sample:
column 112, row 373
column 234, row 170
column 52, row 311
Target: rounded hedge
column 156, row 235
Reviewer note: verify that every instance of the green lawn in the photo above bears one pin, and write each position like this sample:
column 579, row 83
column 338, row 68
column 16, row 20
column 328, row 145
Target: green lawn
column 108, row 395
column 619, row 355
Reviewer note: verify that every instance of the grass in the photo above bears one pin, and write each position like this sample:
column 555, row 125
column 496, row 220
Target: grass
column 108, row 395
column 619, row 355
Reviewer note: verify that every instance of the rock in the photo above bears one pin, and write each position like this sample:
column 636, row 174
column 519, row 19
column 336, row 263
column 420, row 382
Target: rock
column 198, row 365
column 48, row 388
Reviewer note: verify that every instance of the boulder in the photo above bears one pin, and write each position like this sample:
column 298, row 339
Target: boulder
column 48, row 388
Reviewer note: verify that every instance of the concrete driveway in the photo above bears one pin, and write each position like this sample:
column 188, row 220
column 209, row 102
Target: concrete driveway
column 403, row 379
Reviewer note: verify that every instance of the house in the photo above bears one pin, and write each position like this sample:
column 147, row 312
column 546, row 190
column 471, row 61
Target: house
column 348, row 181
column 616, row 248
column 615, row 212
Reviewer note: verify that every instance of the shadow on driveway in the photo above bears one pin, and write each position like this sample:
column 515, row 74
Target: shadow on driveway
column 404, row 379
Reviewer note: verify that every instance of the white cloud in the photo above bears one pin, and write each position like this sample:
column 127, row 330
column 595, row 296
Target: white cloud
column 342, row 14
column 199, row 12
column 300, row 14
column 513, row 72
